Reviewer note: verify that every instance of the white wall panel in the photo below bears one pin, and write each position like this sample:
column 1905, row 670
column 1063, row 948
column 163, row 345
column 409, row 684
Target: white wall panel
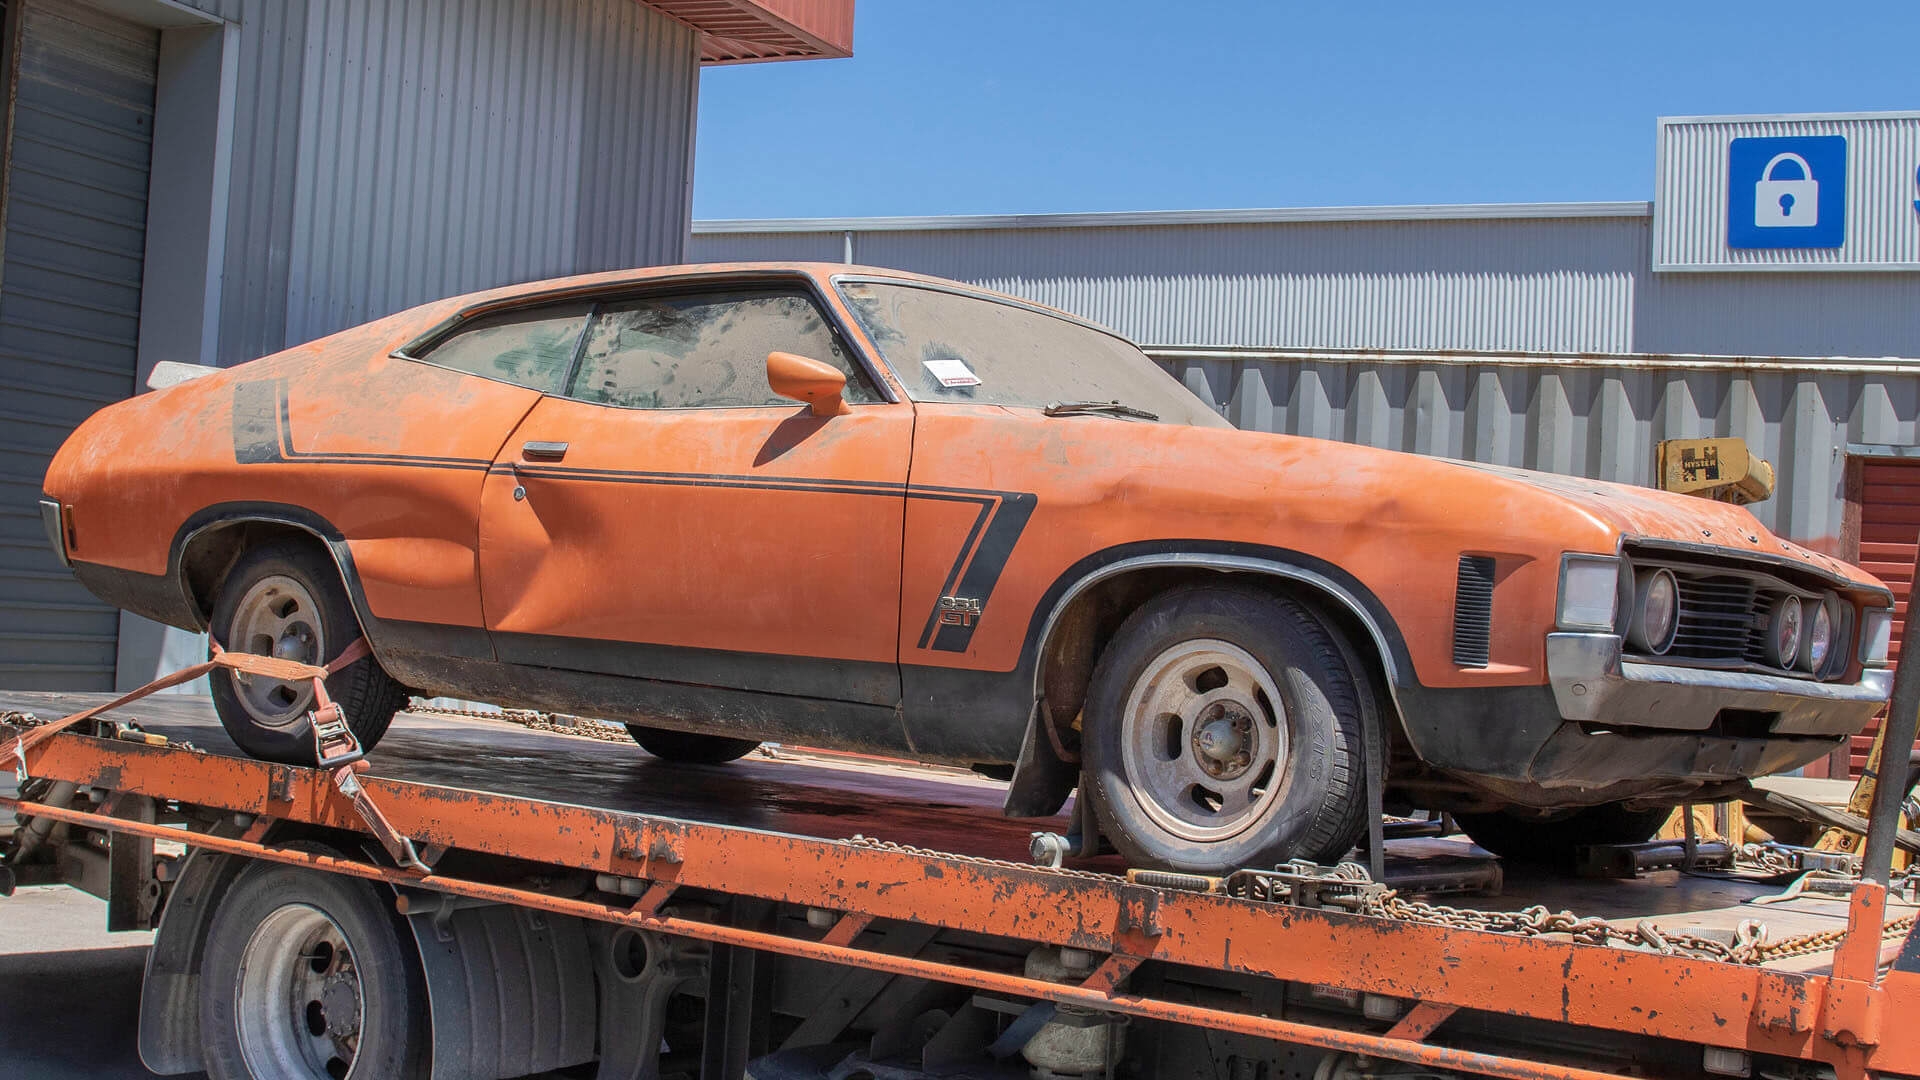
column 390, row 153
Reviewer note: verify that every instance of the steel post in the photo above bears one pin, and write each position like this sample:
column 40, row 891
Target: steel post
column 1876, row 863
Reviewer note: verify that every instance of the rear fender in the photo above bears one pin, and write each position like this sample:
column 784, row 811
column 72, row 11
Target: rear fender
column 393, row 643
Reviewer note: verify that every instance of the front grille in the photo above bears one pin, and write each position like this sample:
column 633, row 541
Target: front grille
column 1724, row 610
column 1473, row 611
column 1717, row 616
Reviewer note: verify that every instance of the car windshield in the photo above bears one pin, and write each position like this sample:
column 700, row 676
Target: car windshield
column 949, row 346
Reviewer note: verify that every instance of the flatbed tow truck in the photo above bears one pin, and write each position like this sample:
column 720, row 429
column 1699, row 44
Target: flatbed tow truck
column 546, row 903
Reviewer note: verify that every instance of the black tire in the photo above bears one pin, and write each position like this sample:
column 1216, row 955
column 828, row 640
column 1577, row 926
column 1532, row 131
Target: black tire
column 1312, row 812
column 363, row 690
column 1554, row 839
column 1353, row 830
column 688, row 748
column 394, row 1029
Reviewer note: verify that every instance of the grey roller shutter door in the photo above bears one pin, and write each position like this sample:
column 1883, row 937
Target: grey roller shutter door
column 69, row 309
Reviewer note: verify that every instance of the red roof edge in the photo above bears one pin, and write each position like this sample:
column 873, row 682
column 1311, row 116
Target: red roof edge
column 756, row 31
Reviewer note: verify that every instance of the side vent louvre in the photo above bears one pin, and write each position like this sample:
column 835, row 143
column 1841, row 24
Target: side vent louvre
column 1473, row 611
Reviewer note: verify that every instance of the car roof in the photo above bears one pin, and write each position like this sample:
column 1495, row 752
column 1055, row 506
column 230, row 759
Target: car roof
column 820, row 271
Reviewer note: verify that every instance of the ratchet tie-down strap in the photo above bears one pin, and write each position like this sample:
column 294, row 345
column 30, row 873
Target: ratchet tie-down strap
column 335, row 749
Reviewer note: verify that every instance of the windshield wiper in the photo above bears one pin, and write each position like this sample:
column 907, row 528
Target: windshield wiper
column 1108, row 408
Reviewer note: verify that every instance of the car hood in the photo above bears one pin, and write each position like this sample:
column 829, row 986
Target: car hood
column 1638, row 513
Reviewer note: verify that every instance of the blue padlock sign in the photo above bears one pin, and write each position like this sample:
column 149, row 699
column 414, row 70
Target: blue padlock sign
column 1787, row 192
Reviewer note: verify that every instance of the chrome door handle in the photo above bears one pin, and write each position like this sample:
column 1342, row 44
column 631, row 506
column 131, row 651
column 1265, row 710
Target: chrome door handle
column 543, row 451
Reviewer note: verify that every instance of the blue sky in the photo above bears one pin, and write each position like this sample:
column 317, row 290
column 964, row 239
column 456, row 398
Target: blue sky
column 996, row 106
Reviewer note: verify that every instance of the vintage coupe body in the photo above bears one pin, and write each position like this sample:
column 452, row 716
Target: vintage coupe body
column 863, row 509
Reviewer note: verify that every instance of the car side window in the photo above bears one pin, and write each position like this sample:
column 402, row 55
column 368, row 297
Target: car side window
column 533, row 347
column 704, row 350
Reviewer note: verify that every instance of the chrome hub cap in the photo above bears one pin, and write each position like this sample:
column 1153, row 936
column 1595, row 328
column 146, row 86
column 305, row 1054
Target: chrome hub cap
column 277, row 617
column 1204, row 740
column 1223, row 741
column 297, row 1001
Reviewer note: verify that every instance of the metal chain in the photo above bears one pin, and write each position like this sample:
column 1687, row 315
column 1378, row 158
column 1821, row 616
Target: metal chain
column 859, row 840
column 1538, row 921
column 14, row 718
column 531, row 719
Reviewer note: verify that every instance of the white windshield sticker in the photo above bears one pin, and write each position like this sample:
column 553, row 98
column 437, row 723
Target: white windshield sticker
column 951, row 372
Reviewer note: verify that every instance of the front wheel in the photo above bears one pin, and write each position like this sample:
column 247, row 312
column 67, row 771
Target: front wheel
column 311, row 976
column 689, row 748
column 1224, row 730
column 1554, row 838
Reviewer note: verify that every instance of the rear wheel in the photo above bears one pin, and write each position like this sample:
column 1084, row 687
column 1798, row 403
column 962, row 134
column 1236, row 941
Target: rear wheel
column 687, row 747
column 1554, row 838
column 310, row 976
column 287, row 600
column 1224, row 731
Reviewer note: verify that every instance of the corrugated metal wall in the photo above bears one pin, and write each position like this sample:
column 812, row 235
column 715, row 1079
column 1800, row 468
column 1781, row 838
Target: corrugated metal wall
column 388, row 153
column 1889, row 519
column 69, row 310
column 1569, row 280
column 383, row 153
column 1580, row 415
column 1511, row 284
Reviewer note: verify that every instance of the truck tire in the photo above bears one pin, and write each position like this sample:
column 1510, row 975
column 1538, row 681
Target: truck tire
column 1222, row 731
column 288, row 600
column 308, row 975
column 688, row 748
column 1553, row 839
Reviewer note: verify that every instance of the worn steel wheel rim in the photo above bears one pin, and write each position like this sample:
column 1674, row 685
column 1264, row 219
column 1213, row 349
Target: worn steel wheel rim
column 297, row 997
column 1204, row 740
column 278, row 617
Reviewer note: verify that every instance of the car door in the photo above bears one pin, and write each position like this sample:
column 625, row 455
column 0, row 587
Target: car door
column 667, row 517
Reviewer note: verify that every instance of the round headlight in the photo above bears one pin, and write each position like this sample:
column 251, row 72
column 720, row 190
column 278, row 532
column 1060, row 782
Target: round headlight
column 1783, row 632
column 1819, row 644
column 1656, row 611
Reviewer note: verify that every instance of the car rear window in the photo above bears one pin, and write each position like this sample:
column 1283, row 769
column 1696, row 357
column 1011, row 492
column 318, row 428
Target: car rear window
column 533, row 347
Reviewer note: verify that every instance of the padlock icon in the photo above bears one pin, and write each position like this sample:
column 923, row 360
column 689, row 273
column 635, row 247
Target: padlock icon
column 1786, row 204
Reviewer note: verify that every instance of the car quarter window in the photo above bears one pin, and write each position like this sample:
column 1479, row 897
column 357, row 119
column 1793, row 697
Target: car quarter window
column 705, row 350
column 533, row 347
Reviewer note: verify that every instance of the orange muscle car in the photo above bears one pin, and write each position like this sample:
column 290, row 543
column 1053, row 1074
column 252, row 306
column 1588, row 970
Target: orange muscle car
column 863, row 509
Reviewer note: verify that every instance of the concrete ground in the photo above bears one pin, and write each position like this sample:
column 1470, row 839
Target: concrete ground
column 69, row 991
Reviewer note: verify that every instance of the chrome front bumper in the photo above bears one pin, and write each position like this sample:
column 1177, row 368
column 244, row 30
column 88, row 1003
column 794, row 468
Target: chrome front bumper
column 1592, row 684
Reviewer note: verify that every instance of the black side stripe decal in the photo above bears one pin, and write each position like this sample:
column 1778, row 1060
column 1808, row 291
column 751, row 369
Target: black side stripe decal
column 263, row 435
column 1002, row 518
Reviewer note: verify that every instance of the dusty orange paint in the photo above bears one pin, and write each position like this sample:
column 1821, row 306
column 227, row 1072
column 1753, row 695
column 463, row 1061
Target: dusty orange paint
column 735, row 581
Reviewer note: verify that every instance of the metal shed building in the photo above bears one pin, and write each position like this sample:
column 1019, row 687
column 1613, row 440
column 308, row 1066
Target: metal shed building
column 213, row 180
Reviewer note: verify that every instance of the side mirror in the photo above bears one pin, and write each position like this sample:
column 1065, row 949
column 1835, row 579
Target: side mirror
column 805, row 379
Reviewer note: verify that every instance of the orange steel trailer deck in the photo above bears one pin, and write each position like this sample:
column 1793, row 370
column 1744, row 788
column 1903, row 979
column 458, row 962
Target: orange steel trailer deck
column 524, row 809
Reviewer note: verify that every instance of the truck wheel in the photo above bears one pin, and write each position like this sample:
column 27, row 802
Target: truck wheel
column 689, row 748
column 287, row 600
column 1554, row 838
column 310, row 976
column 1224, row 731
